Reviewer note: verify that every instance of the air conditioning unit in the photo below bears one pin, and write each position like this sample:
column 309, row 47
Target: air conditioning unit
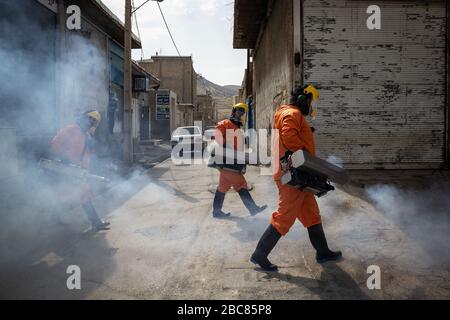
column 141, row 84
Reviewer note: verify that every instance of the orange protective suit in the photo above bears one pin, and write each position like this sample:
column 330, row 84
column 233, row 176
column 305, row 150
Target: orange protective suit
column 294, row 134
column 235, row 141
column 71, row 144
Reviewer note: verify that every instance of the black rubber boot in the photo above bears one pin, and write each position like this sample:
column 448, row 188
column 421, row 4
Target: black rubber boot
column 319, row 242
column 265, row 245
column 96, row 222
column 250, row 203
column 219, row 197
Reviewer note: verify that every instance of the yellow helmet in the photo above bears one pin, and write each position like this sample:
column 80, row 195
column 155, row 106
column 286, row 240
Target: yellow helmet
column 94, row 114
column 313, row 91
column 241, row 105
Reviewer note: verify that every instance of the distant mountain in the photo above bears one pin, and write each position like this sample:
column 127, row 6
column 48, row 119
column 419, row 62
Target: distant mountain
column 204, row 85
column 222, row 95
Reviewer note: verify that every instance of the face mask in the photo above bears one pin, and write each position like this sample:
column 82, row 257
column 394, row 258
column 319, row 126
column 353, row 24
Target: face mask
column 313, row 109
column 93, row 124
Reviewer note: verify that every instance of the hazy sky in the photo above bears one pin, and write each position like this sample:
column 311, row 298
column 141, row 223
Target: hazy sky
column 203, row 28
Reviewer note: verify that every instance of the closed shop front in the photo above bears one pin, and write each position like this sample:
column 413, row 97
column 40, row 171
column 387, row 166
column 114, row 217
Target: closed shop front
column 383, row 92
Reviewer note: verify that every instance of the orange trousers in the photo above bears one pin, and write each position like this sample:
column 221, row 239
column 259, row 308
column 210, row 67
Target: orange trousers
column 228, row 179
column 294, row 204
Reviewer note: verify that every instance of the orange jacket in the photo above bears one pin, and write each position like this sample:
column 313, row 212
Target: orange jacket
column 70, row 143
column 294, row 134
column 237, row 142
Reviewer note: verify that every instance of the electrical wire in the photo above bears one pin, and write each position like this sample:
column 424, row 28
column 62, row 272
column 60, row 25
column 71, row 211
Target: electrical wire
column 137, row 28
column 165, row 22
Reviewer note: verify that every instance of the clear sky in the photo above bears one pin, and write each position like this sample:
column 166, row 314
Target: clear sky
column 201, row 28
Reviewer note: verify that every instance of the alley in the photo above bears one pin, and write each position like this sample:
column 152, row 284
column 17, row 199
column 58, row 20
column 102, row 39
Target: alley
column 348, row 102
column 165, row 244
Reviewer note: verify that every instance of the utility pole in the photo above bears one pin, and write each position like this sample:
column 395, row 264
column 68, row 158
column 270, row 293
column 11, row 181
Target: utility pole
column 127, row 84
column 127, row 87
column 61, row 56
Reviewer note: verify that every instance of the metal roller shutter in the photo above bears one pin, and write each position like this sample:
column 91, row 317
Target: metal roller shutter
column 382, row 91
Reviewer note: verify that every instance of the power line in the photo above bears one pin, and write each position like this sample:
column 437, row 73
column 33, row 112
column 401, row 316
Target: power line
column 173, row 41
column 136, row 9
column 137, row 28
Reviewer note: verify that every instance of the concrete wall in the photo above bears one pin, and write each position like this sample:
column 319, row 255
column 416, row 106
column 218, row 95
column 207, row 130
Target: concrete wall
column 273, row 63
column 205, row 110
column 176, row 74
column 85, row 85
column 184, row 115
column 27, row 84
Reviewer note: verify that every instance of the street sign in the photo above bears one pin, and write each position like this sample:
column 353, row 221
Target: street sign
column 162, row 106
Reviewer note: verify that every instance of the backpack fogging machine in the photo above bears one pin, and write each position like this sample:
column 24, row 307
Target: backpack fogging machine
column 308, row 173
column 236, row 161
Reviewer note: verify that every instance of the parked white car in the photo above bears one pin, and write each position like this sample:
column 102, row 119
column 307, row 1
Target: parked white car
column 188, row 139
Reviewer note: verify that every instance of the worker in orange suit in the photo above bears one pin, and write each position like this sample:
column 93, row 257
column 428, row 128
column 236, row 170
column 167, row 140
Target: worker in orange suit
column 294, row 134
column 228, row 135
column 73, row 145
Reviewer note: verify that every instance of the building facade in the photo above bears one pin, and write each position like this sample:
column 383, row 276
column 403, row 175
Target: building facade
column 205, row 110
column 176, row 74
column 384, row 92
column 163, row 104
column 67, row 72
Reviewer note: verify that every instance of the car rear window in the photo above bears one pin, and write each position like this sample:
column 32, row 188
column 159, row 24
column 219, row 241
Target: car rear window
column 186, row 131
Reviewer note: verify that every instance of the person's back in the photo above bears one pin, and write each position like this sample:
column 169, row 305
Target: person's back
column 71, row 145
column 230, row 135
column 294, row 134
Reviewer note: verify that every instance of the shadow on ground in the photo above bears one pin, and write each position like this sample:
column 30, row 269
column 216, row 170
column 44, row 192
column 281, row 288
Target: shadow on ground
column 333, row 283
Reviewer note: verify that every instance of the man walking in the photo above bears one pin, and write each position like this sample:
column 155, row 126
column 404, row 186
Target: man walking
column 294, row 134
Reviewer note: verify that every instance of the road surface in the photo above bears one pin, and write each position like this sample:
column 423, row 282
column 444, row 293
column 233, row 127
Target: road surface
column 165, row 244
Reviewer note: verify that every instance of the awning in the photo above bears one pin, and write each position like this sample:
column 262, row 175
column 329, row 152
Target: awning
column 248, row 17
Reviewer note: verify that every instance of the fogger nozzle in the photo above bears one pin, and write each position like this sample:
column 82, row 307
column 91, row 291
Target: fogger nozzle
column 70, row 170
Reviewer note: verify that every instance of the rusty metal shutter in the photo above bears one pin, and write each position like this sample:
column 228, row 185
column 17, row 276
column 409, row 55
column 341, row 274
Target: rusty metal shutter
column 382, row 91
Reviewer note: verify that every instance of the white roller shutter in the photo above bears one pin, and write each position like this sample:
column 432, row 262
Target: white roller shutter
column 382, row 91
